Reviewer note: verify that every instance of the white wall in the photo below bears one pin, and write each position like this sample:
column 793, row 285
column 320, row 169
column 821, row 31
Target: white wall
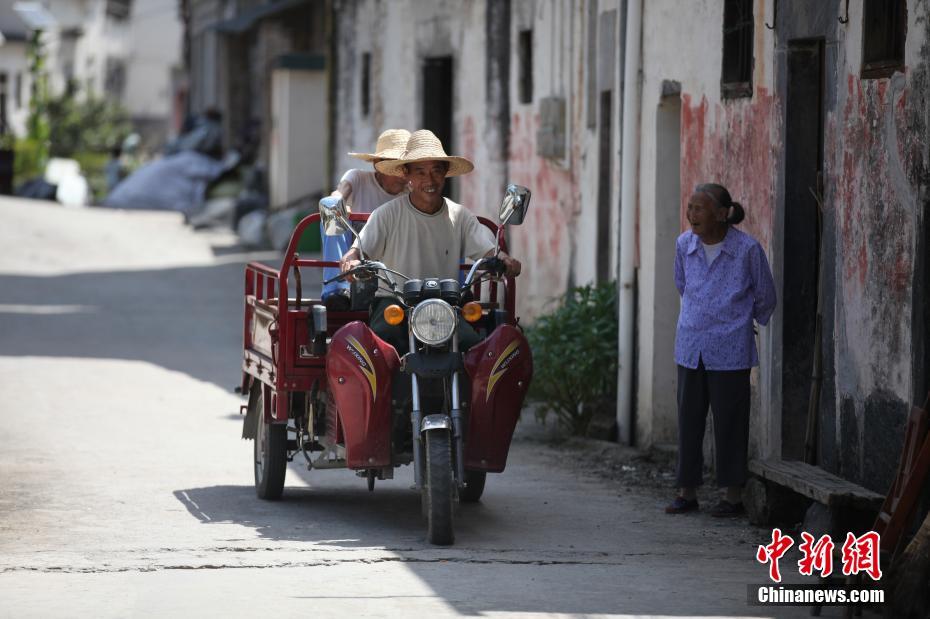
column 399, row 35
column 298, row 135
column 155, row 50
column 13, row 62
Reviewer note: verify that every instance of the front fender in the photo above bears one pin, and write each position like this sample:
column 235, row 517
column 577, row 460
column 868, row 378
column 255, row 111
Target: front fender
column 500, row 369
column 359, row 370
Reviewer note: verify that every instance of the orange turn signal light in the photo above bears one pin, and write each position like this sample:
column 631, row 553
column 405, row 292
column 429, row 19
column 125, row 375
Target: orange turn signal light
column 471, row 311
column 393, row 315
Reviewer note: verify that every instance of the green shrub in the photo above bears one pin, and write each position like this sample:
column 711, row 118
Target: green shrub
column 575, row 356
column 28, row 160
column 93, row 167
column 90, row 125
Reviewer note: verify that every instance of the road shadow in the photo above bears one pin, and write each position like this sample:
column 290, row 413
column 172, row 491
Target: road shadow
column 521, row 550
column 186, row 319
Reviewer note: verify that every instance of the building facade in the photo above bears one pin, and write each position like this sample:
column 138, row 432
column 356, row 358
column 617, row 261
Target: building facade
column 125, row 51
column 798, row 108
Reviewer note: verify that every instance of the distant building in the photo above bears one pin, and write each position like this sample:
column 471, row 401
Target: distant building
column 265, row 65
column 15, row 82
column 128, row 51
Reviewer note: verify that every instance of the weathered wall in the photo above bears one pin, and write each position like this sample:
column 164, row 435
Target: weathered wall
column 877, row 165
column 491, row 126
column 557, row 242
column 399, row 36
column 875, row 174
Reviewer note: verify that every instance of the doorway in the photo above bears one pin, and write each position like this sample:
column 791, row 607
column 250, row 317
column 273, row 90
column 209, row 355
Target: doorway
column 437, row 106
column 804, row 137
column 666, row 303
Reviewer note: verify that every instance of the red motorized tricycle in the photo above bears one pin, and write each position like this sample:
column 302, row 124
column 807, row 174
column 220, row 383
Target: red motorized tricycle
column 323, row 384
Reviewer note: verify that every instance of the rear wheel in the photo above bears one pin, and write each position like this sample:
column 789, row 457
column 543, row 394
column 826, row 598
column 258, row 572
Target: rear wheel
column 439, row 495
column 270, row 452
column 474, row 486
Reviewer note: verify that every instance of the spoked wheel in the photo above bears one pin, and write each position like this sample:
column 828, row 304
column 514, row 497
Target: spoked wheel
column 439, row 492
column 474, row 486
column 270, row 452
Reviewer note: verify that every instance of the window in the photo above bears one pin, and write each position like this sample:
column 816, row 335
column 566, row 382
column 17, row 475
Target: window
column 3, row 100
column 115, row 78
column 118, row 9
column 736, row 78
column 884, row 28
column 366, row 83
column 18, row 90
column 525, row 57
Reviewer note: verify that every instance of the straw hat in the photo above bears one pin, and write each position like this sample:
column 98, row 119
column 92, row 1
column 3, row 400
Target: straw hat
column 424, row 146
column 391, row 145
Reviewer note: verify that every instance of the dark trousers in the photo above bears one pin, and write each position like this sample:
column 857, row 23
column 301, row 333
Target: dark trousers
column 727, row 392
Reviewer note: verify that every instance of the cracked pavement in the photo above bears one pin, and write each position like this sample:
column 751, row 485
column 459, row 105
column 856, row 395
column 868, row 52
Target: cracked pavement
column 127, row 492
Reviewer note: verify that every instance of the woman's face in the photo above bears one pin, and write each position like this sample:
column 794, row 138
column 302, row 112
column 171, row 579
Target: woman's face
column 391, row 184
column 707, row 221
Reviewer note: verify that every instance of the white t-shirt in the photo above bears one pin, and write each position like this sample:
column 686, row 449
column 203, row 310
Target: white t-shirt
column 712, row 251
column 367, row 194
column 420, row 245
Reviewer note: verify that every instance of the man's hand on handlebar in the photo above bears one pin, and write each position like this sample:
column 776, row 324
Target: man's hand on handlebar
column 512, row 266
column 503, row 264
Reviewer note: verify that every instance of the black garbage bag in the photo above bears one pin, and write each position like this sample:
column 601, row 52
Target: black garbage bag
column 38, row 189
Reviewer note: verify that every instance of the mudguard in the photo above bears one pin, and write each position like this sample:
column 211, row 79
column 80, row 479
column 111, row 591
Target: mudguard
column 359, row 369
column 500, row 369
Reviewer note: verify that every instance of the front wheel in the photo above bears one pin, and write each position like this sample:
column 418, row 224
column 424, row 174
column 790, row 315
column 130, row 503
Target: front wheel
column 440, row 487
column 270, row 452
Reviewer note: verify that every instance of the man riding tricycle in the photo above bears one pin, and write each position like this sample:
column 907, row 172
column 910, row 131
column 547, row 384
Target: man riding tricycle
column 426, row 366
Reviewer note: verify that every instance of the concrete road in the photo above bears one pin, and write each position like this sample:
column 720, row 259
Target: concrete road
column 125, row 490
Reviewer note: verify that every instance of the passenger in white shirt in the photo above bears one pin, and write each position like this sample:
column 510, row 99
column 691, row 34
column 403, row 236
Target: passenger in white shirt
column 363, row 192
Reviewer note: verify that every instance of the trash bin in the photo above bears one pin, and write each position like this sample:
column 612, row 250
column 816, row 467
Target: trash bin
column 6, row 171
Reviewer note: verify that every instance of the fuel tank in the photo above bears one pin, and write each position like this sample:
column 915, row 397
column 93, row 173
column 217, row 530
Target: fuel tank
column 500, row 369
column 359, row 369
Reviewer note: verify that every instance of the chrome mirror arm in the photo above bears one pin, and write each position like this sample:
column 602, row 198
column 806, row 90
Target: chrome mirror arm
column 471, row 274
column 351, row 229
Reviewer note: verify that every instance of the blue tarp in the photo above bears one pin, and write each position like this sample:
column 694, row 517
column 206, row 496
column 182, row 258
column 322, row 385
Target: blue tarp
column 173, row 183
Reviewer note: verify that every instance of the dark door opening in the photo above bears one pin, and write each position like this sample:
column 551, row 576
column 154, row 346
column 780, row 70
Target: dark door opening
column 803, row 177
column 605, row 166
column 437, row 105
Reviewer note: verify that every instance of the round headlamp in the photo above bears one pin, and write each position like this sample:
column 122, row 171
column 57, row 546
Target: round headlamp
column 433, row 322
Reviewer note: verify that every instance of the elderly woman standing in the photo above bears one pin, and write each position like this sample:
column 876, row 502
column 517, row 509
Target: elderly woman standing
column 725, row 284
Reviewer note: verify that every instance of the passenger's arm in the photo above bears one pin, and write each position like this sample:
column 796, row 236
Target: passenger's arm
column 343, row 190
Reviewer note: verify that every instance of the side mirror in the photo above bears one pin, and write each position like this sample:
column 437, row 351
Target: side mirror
column 514, row 205
column 334, row 216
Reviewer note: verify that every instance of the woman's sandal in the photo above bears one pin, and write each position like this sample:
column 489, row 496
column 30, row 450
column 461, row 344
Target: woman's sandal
column 681, row 505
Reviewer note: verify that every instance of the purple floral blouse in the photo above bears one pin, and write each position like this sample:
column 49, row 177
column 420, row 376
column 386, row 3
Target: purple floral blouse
column 720, row 301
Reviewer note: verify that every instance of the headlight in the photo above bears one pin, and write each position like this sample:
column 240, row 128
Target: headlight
column 433, row 322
